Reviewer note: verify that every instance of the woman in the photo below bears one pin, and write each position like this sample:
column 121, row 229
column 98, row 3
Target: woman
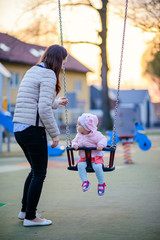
column 33, row 115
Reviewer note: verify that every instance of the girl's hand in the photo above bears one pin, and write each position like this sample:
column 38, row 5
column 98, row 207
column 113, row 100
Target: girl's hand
column 63, row 101
column 75, row 147
column 99, row 148
column 55, row 141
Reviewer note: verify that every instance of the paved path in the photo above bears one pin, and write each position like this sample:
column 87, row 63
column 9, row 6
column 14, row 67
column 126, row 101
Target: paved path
column 129, row 210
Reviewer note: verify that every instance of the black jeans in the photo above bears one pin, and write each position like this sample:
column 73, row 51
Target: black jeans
column 33, row 142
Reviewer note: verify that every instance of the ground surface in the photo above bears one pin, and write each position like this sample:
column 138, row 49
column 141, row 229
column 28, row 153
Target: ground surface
column 129, row 210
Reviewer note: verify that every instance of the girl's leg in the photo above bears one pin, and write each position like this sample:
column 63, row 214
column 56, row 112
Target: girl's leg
column 82, row 171
column 83, row 175
column 99, row 172
column 100, row 176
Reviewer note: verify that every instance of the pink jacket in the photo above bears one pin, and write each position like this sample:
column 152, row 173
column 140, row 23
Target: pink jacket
column 93, row 139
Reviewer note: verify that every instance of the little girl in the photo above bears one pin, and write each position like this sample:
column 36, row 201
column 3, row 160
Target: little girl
column 88, row 136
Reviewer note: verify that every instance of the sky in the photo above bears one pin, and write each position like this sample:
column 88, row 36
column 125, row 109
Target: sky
column 135, row 45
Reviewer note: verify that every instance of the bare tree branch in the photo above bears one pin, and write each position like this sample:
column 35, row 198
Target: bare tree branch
column 82, row 3
column 144, row 14
column 102, row 14
column 82, row 42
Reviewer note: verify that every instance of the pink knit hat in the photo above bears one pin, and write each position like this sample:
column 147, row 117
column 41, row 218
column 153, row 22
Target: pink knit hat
column 88, row 121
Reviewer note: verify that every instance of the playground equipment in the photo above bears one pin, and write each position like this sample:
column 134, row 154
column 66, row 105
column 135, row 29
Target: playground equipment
column 57, row 151
column 128, row 131
column 112, row 147
column 6, row 122
column 4, row 73
column 139, row 137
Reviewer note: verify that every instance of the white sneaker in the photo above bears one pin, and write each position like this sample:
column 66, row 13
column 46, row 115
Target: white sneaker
column 29, row 223
column 22, row 215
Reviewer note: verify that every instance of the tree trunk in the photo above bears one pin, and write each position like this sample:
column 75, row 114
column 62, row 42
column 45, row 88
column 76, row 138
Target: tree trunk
column 106, row 120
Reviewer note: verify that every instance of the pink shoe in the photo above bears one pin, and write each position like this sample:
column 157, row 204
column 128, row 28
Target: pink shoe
column 85, row 186
column 101, row 189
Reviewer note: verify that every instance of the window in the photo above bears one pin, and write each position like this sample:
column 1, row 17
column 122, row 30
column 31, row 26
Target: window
column 78, row 86
column 4, row 47
column 35, row 52
column 14, row 80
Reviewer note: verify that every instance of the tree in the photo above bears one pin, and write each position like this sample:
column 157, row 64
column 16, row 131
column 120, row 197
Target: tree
column 145, row 14
column 106, row 120
column 151, row 61
column 102, row 34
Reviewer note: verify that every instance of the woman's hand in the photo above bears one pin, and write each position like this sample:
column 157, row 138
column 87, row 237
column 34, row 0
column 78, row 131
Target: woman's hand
column 55, row 141
column 63, row 101
column 75, row 147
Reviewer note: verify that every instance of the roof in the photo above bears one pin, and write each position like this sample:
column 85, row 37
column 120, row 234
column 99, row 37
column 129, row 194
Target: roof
column 16, row 51
column 125, row 96
column 96, row 92
column 132, row 96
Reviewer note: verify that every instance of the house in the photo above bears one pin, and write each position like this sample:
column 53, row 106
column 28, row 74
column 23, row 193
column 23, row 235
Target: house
column 157, row 114
column 96, row 98
column 141, row 100
column 136, row 101
column 17, row 57
column 3, row 73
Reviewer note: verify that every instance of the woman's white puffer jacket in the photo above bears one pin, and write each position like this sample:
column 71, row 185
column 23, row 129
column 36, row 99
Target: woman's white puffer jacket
column 35, row 99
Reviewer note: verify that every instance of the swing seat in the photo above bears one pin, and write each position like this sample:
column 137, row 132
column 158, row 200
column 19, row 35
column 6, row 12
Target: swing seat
column 87, row 150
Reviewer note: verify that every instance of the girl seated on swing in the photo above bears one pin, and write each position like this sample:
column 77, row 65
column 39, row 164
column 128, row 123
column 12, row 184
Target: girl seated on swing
column 88, row 136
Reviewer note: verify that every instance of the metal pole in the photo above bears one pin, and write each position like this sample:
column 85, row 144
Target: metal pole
column 8, row 109
column 9, row 95
column 1, row 107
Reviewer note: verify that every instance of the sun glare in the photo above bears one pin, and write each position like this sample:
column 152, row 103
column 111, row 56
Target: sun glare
column 77, row 28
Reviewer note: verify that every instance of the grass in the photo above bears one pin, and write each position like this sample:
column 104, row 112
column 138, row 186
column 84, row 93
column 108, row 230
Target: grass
column 152, row 133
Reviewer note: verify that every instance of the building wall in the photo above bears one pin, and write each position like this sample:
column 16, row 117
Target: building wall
column 75, row 83
column 143, row 111
column 14, row 68
column 143, row 107
column 152, row 114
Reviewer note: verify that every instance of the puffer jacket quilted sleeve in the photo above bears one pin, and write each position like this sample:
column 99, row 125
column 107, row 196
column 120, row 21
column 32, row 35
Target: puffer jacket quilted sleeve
column 37, row 95
column 46, row 98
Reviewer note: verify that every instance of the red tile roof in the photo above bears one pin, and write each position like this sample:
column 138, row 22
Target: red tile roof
column 16, row 51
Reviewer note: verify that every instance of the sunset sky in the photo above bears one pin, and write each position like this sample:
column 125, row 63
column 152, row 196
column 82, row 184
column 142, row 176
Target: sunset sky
column 135, row 45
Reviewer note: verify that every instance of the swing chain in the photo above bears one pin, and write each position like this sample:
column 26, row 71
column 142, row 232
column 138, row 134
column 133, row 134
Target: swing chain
column 60, row 22
column 68, row 137
column 113, row 143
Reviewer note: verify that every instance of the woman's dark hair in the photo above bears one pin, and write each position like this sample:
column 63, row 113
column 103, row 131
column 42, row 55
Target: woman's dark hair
column 53, row 58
